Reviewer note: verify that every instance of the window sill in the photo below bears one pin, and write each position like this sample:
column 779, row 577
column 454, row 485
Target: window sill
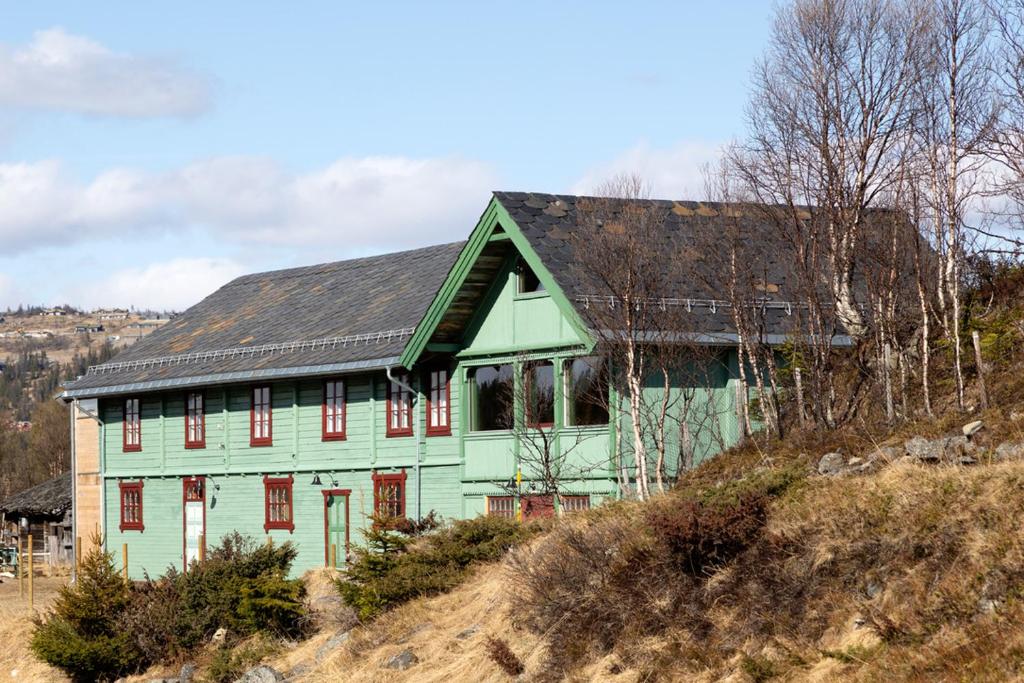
column 397, row 435
column 333, row 437
column 260, row 444
column 132, row 449
column 195, row 446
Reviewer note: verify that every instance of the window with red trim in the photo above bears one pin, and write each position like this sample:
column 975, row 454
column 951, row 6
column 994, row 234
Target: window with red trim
column 132, row 432
column 399, row 406
column 439, row 398
column 278, row 503
column 501, row 506
column 195, row 420
column 574, row 503
column 389, row 494
column 261, row 427
column 334, row 410
column 131, row 506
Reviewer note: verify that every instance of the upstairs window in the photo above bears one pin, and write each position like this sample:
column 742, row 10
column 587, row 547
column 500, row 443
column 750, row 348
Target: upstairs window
column 399, row 406
column 439, row 411
column 586, row 391
column 195, row 420
column 261, row 428
column 277, row 492
column 132, row 425
column 334, row 410
column 491, row 391
column 131, row 506
column 539, row 380
column 528, row 282
column 389, row 494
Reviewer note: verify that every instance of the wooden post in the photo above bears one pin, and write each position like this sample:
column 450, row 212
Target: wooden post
column 976, row 338
column 21, row 571
column 78, row 553
column 334, row 555
column 124, row 559
column 31, row 572
column 202, row 547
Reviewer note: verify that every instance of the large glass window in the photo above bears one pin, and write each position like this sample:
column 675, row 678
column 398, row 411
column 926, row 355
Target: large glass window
column 399, row 407
column 492, row 394
column 260, row 418
column 586, row 391
column 439, row 410
column 539, row 381
column 195, row 421
column 132, row 432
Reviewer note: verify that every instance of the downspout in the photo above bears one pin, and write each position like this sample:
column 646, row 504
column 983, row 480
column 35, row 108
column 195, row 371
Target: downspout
column 415, row 429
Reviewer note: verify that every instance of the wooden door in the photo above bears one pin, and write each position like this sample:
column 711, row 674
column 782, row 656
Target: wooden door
column 336, row 526
column 194, row 517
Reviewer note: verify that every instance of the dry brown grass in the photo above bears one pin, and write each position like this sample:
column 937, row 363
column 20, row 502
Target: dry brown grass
column 16, row 661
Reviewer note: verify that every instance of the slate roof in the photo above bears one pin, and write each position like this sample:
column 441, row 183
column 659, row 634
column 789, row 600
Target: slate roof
column 549, row 221
column 49, row 499
column 333, row 316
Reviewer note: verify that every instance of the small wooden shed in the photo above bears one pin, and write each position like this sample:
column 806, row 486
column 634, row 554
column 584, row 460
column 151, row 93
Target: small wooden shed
column 44, row 511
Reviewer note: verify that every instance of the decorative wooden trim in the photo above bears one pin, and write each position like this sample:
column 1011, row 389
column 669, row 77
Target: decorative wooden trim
column 327, row 546
column 270, row 483
column 267, row 440
column 428, row 375
column 125, row 446
column 201, row 443
column 126, row 487
column 185, row 486
column 334, row 436
column 381, row 480
column 390, row 430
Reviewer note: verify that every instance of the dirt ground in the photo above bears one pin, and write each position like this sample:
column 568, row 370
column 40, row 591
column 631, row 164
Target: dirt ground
column 16, row 662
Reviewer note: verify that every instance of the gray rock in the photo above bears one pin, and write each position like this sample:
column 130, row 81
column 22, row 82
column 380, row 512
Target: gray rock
column 219, row 636
column 1008, row 450
column 921, row 448
column 1016, row 416
column 855, row 462
column 299, row 670
column 886, row 453
column 187, row 673
column 972, row 428
column 410, row 633
column 261, row 674
column 402, row 661
column 332, row 644
column 872, row 589
column 164, row 680
column 469, row 632
column 988, row 606
column 831, row 464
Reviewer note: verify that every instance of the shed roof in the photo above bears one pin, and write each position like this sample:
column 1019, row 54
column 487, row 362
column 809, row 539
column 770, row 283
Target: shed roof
column 50, row 499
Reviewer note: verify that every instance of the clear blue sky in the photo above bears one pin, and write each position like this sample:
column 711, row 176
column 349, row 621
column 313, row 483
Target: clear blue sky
column 150, row 154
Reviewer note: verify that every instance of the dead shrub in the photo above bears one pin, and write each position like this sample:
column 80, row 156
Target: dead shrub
column 502, row 655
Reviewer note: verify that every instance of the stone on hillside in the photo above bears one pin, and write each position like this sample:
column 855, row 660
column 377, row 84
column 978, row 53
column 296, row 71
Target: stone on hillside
column 923, row 449
column 332, row 644
column 831, row 463
column 469, row 632
column 854, row 462
column 1016, row 416
column 164, row 680
column 187, row 673
column 972, row 428
column 219, row 636
column 261, row 674
column 987, row 606
column 402, row 661
column 1009, row 450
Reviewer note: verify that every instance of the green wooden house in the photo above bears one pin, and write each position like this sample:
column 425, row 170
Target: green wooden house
column 294, row 403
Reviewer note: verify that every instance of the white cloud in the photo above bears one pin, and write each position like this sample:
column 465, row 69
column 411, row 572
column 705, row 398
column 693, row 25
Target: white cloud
column 352, row 205
column 172, row 285
column 61, row 71
column 670, row 173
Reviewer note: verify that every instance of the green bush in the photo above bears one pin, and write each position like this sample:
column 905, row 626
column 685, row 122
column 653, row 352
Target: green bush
column 82, row 635
column 394, row 568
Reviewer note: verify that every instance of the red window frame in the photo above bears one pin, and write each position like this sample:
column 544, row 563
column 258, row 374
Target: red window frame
column 131, row 506
column 195, row 420
column 434, row 394
column 501, row 506
column 334, row 403
column 393, row 388
column 272, row 509
column 267, row 436
column 381, row 482
column 131, row 425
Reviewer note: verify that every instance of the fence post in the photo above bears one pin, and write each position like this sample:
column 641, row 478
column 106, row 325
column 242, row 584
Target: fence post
column 21, row 571
column 31, row 573
column 202, row 547
column 334, row 556
column 976, row 338
column 124, row 559
column 78, row 554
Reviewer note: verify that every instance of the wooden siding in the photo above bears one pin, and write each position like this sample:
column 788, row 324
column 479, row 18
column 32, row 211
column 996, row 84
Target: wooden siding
column 88, row 487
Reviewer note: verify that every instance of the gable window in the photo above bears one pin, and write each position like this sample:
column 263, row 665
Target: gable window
column 389, row 494
column 501, row 506
column 334, row 410
column 528, row 282
column 261, row 427
column 277, row 492
column 131, row 506
column 491, row 397
column 195, row 420
column 132, row 425
column 439, row 411
column 539, row 379
column 586, row 391
column 399, row 407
